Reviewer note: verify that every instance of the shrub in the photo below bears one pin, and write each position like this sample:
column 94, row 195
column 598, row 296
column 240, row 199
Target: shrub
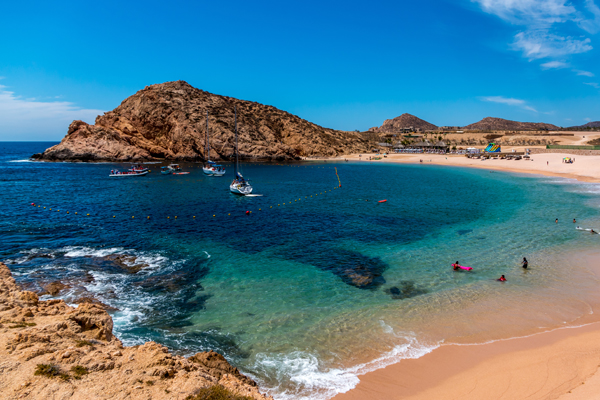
column 50, row 371
column 82, row 343
column 216, row 392
column 79, row 371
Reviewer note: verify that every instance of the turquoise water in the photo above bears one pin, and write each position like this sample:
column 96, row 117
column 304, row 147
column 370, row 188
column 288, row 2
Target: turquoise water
column 304, row 293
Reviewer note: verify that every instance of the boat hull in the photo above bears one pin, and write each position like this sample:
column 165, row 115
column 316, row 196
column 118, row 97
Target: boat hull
column 128, row 174
column 240, row 189
column 211, row 172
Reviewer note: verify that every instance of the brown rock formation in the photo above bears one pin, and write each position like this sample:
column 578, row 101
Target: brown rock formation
column 85, row 361
column 403, row 122
column 168, row 120
column 499, row 124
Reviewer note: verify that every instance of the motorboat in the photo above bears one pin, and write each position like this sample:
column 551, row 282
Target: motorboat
column 210, row 168
column 119, row 174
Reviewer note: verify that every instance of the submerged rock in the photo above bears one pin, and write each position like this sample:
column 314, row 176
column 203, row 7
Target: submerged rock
column 405, row 290
column 54, row 288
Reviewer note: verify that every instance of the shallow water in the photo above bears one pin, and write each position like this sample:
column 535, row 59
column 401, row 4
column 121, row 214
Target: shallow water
column 305, row 292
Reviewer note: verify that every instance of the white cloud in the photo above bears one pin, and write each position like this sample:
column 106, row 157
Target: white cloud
column 542, row 21
column 28, row 119
column 583, row 73
column 509, row 101
column 587, row 119
column 540, row 44
column 554, row 65
column 592, row 84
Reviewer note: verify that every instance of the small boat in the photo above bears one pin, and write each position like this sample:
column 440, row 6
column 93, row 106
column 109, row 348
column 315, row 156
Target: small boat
column 173, row 169
column 239, row 185
column 211, row 168
column 138, row 168
column 118, row 174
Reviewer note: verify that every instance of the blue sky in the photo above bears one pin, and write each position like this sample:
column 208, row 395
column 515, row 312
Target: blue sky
column 344, row 65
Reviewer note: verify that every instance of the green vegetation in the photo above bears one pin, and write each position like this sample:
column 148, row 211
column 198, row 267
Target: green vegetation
column 21, row 324
column 216, row 392
column 79, row 371
column 50, row 371
column 150, row 383
column 82, row 343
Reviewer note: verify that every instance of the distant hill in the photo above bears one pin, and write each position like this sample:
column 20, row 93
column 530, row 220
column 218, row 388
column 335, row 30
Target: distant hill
column 168, row 121
column 405, row 121
column 499, row 124
column 594, row 124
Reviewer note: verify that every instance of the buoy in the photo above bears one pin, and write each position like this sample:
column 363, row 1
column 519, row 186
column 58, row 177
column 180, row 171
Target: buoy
column 148, row 217
column 88, row 215
column 57, row 210
column 67, row 212
column 32, row 204
column 260, row 209
column 271, row 206
column 382, row 201
column 132, row 216
column 227, row 214
column 114, row 216
column 194, row 216
column 75, row 211
column 247, row 212
column 168, row 217
column 50, row 209
column 176, row 217
column 213, row 216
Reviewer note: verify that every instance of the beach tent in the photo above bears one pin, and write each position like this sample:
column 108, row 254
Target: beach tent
column 472, row 150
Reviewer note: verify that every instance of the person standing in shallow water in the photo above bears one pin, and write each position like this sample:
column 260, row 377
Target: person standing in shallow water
column 525, row 263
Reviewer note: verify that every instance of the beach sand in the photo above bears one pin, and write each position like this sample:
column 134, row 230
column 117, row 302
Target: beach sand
column 561, row 364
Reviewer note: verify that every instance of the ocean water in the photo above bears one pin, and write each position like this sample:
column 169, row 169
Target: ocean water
column 317, row 284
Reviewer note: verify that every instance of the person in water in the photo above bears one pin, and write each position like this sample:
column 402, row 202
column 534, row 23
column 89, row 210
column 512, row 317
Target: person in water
column 502, row 279
column 455, row 266
column 593, row 231
column 525, row 263
column 556, row 221
column 574, row 221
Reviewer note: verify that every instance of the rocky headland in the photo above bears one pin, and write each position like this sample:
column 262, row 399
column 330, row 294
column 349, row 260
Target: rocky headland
column 49, row 350
column 168, row 122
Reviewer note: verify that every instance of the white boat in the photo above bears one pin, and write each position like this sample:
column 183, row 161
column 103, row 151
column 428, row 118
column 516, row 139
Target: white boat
column 173, row 169
column 138, row 168
column 239, row 185
column 118, row 174
column 210, row 168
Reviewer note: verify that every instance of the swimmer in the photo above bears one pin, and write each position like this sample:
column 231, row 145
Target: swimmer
column 502, row 279
column 556, row 221
column 574, row 221
column 456, row 266
column 593, row 231
column 525, row 263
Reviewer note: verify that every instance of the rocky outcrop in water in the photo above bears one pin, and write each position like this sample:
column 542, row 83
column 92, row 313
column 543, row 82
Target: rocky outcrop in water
column 168, row 121
column 49, row 350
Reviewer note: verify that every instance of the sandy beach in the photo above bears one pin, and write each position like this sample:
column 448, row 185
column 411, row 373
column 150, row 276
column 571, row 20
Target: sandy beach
column 560, row 364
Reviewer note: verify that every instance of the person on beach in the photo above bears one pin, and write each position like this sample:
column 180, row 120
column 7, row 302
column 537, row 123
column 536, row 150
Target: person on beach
column 525, row 263
column 502, row 279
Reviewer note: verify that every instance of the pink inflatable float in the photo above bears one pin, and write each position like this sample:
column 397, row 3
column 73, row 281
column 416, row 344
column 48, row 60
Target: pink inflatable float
column 462, row 267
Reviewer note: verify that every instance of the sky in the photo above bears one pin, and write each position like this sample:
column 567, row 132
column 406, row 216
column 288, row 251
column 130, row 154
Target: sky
column 341, row 64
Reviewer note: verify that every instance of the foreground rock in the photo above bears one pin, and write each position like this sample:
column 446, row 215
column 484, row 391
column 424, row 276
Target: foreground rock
column 168, row 121
column 76, row 356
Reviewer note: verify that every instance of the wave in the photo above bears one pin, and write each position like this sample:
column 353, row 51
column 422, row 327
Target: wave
column 301, row 375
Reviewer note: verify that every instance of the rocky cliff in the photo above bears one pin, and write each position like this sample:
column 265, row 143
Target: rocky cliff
column 499, row 124
column 168, row 121
column 404, row 121
column 49, row 350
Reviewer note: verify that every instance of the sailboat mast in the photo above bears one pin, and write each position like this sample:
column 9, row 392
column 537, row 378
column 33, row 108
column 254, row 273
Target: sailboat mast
column 236, row 141
column 206, row 146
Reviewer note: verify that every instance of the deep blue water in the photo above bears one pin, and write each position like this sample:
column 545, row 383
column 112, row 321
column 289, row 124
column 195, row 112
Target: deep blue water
column 311, row 286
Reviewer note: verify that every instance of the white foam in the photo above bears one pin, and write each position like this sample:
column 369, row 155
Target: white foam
column 80, row 251
column 311, row 381
column 21, row 160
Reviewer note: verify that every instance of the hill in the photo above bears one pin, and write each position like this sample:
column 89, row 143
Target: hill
column 403, row 122
column 168, row 121
column 593, row 124
column 499, row 124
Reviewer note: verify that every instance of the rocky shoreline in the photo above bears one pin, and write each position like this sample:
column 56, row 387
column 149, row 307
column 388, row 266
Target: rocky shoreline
column 50, row 350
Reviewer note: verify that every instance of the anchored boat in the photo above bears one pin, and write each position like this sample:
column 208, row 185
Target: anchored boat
column 239, row 185
column 211, row 168
column 118, row 174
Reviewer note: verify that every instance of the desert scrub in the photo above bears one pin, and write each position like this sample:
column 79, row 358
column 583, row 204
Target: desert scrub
column 21, row 324
column 216, row 392
column 82, row 343
column 50, row 371
column 79, row 371
column 150, row 383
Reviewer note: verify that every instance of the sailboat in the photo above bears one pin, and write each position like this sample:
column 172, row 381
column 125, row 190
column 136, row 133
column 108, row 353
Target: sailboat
column 239, row 185
column 211, row 168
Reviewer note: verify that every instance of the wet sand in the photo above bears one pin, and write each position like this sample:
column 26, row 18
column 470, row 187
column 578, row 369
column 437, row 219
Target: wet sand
column 561, row 364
